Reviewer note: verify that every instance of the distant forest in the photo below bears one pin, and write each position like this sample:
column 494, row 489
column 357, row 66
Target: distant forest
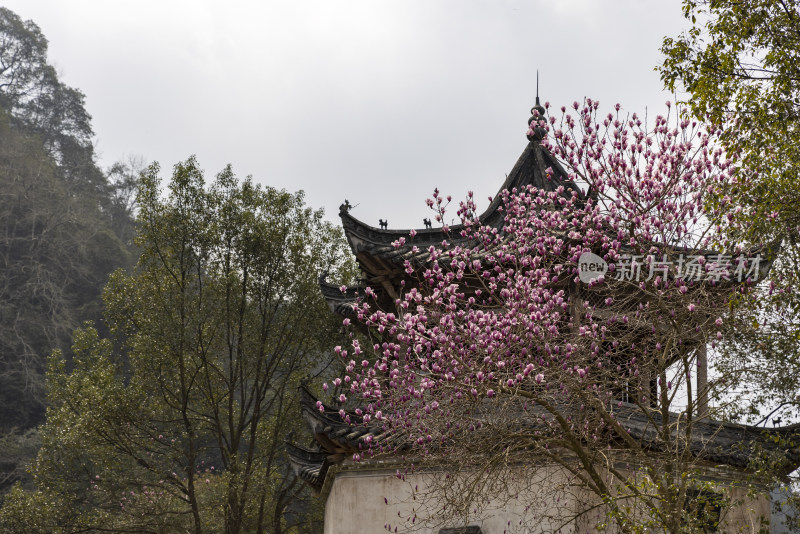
column 65, row 224
column 152, row 343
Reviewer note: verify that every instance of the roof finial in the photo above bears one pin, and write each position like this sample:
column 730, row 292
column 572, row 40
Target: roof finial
column 535, row 131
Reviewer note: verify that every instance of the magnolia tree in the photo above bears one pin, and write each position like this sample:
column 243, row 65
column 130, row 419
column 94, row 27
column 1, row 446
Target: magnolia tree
column 553, row 360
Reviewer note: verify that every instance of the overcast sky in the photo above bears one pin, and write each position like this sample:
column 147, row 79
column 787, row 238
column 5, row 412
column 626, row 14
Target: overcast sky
column 374, row 101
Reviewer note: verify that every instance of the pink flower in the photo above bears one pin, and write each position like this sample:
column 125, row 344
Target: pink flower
column 490, row 307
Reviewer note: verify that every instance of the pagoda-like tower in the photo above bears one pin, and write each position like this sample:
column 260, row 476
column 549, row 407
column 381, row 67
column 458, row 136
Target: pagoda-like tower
column 382, row 255
column 382, row 263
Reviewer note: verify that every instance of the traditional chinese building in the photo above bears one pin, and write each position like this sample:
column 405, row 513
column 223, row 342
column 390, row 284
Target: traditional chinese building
column 367, row 496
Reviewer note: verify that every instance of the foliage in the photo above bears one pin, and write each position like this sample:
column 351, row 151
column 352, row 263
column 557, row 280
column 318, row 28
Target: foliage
column 40, row 103
column 124, row 178
column 740, row 65
column 62, row 232
column 500, row 355
column 56, row 251
column 18, row 447
column 177, row 419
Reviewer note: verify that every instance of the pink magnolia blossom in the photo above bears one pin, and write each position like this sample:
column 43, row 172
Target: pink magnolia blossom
column 495, row 310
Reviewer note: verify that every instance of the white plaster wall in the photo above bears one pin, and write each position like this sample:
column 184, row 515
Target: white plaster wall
column 357, row 504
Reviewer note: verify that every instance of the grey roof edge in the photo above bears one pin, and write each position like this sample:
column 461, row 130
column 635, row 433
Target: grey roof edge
column 721, row 442
column 340, row 302
column 308, row 465
column 530, row 169
column 718, row 442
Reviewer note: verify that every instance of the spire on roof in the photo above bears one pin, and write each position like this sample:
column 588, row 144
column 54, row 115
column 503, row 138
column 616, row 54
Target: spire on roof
column 536, row 132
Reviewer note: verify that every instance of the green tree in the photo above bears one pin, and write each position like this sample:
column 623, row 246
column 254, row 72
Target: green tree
column 63, row 229
column 739, row 65
column 177, row 419
column 40, row 103
column 56, row 251
column 123, row 180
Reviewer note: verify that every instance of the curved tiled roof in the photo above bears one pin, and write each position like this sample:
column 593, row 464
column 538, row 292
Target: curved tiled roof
column 334, row 435
column 382, row 259
column 336, row 440
column 383, row 263
column 711, row 441
column 311, row 466
column 531, row 169
column 719, row 442
column 340, row 302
